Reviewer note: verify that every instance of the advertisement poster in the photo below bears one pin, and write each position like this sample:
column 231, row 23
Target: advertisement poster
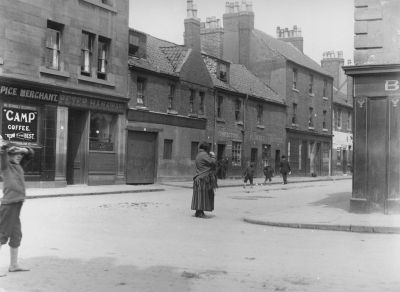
column 19, row 123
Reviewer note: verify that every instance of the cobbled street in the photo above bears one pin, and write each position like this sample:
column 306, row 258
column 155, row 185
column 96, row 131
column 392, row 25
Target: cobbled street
column 152, row 242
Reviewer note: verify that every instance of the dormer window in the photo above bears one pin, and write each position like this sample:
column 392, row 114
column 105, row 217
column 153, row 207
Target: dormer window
column 137, row 44
column 222, row 72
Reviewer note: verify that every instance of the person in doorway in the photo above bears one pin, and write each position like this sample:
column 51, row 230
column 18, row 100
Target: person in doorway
column 249, row 174
column 224, row 167
column 13, row 161
column 284, row 168
column 268, row 172
column 204, row 181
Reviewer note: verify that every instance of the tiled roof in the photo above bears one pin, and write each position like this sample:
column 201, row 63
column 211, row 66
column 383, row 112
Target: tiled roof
column 175, row 55
column 245, row 82
column 287, row 50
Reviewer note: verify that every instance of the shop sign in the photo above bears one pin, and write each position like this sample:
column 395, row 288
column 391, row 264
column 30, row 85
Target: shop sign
column 19, row 123
column 13, row 91
column 91, row 103
column 392, row 85
column 229, row 135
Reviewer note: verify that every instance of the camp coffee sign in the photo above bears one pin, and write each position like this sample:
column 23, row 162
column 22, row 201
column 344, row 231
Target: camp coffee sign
column 19, row 123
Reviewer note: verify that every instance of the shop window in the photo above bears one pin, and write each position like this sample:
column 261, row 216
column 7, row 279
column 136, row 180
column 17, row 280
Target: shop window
column 201, row 106
column 260, row 112
column 236, row 153
column 167, row 149
column 102, row 57
column 219, row 106
column 87, row 53
column 193, row 150
column 53, row 45
column 102, row 131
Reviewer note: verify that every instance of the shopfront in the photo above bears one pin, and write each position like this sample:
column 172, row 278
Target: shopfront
column 78, row 138
column 376, row 157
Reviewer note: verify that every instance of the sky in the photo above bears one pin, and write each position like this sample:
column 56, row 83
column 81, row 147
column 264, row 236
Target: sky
column 326, row 24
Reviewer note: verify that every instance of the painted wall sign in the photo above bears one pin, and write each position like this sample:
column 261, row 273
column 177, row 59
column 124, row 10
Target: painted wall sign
column 19, row 123
column 392, row 85
column 28, row 93
column 91, row 103
column 377, row 85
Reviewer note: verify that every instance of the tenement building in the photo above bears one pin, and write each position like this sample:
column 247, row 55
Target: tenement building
column 376, row 81
column 280, row 63
column 63, row 81
column 180, row 96
column 171, row 105
column 342, row 113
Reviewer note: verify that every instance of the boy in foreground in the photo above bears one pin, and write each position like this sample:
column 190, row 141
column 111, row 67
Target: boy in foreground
column 13, row 159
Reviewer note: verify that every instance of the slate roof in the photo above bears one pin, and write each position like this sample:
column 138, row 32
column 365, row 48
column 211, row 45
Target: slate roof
column 284, row 49
column 245, row 82
column 341, row 98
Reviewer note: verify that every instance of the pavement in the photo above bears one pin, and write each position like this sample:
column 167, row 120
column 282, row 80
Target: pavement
column 316, row 211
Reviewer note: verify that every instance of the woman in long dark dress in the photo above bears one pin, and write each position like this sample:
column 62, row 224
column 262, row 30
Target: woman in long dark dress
column 204, row 182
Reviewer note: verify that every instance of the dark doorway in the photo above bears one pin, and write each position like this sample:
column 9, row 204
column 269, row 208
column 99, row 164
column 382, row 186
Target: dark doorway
column 222, row 162
column 318, row 160
column 344, row 164
column 141, row 157
column 77, row 141
column 277, row 160
column 220, row 151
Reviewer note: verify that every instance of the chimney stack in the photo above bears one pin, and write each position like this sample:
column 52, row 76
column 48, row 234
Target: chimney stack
column 292, row 36
column 238, row 23
column 332, row 62
column 212, row 37
column 192, row 27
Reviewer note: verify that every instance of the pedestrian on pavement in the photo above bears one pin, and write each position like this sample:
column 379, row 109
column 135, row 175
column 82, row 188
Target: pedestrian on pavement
column 249, row 174
column 224, row 167
column 284, row 168
column 268, row 172
column 13, row 160
column 204, row 182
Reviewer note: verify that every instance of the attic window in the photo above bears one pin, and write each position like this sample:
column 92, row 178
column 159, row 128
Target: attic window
column 133, row 45
column 222, row 74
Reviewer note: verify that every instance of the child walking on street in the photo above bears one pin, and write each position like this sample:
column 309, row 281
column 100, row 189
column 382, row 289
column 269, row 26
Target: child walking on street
column 13, row 159
column 249, row 175
column 268, row 172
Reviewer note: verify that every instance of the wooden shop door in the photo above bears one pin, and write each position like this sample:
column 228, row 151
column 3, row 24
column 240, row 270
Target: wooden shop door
column 76, row 149
column 141, row 157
